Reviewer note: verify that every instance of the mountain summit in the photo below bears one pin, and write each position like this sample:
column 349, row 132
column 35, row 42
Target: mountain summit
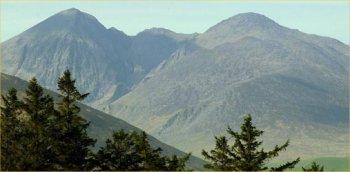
column 248, row 21
column 240, row 26
column 71, row 21
column 71, row 11
column 73, row 40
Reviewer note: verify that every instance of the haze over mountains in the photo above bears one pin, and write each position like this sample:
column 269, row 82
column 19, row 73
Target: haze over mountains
column 185, row 88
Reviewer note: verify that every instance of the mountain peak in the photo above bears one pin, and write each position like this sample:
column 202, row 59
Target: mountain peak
column 70, row 11
column 68, row 21
column 239, row 26
column 246, row 21
column 75, row 13
column 250, row 16
column 157, row 30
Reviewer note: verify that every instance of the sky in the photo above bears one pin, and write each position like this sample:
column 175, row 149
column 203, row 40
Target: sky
column 325, row 18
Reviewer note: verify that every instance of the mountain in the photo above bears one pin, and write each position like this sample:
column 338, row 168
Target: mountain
column 295, row 85
column 71, row 40
column 106, row 62
column 101, row 124
column 151, row 47
column 192, row 86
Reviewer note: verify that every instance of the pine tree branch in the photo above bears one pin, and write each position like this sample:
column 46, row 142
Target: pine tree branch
column 277, row 149
column 233, row 133
column 286, row 165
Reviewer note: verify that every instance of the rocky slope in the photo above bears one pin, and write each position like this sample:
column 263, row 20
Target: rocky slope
column 295, row 85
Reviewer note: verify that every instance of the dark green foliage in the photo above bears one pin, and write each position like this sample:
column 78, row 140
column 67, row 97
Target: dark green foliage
column 178, row 164
column 37, row 105
column 24, row 126
column 119, row 153
column 69, row 129
column 39, row 109
column 151, row 159
column 220, row 157
column 314, row 167
column 244, row 155
column 11, row 129
column 36, row 136
column 132, row 151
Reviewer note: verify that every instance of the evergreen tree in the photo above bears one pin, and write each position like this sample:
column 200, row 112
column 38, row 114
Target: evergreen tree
column 314, row 167
column 151, row 158
column 244, row 155
column 177, row 164
column 132, row 151
column 39, row 108
column 119, row 153
column 36, row 136
column 70, row 129
column 220, row 157
column 11, row 131
column 37, row 105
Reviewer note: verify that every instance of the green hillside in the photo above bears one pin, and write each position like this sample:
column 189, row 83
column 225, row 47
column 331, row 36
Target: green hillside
column 329, row 163
column 102, row 124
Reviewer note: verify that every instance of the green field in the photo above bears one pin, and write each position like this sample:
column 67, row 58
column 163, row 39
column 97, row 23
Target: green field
column 329, row 163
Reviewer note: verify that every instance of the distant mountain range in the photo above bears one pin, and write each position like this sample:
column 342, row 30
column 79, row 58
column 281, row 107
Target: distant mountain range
column 185, row 88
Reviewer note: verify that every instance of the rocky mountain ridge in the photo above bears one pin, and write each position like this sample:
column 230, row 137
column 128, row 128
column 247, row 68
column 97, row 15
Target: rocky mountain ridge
column 186, row 88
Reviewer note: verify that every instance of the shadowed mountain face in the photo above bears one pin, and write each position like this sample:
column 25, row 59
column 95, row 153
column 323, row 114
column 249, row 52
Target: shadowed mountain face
column 184, row 89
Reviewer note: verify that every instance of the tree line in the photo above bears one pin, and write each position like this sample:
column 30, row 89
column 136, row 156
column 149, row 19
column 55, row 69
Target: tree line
column 38, row 133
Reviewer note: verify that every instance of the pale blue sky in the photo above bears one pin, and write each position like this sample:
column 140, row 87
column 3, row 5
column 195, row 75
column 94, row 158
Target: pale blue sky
column 324, row 18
